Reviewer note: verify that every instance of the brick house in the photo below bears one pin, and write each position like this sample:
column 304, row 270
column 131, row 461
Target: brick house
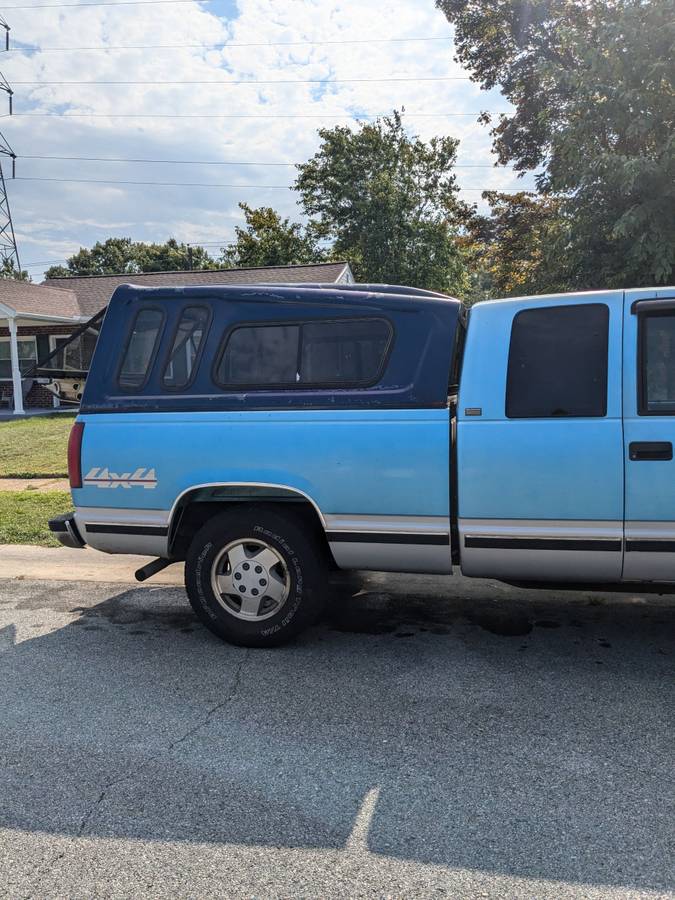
column 35, row 319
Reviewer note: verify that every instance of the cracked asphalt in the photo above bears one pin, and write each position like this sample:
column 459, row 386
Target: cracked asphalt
column 430, row 737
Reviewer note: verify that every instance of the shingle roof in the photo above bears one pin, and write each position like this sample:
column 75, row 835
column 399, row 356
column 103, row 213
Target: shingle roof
column 36, row 299
column 94, row 292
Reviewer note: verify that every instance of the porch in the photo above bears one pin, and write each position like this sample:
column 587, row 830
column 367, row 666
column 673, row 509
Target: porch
column 23, row 335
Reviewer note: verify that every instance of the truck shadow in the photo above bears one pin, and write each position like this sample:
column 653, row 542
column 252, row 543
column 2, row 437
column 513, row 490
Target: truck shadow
column 527, row 735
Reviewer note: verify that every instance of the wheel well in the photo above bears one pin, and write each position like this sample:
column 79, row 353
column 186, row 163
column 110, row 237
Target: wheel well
column 199, row 505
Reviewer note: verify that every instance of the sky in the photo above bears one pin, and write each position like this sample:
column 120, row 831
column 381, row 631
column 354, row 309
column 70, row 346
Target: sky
column 322, row 57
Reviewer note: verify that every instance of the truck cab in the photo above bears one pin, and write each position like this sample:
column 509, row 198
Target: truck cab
column 265, row 434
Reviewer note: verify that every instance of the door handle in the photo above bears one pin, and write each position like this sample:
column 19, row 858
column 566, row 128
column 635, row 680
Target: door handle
column 650, row 450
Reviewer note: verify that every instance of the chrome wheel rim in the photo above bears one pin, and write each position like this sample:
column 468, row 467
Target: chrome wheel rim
column 250, row 580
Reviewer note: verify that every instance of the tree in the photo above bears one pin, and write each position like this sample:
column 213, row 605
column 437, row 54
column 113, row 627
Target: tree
column 8, row 269
column 122, row 255
column 592, row 86
column 269, row 240
column 388, row 202
column 519, row 247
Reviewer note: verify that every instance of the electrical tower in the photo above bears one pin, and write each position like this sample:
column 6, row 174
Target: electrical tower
column 9, row 255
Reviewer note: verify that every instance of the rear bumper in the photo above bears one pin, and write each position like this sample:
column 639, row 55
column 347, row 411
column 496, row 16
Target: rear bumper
column 65, row 529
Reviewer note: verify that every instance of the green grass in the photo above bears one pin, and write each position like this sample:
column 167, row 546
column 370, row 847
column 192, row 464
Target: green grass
column 24, row 516
column 34, row 447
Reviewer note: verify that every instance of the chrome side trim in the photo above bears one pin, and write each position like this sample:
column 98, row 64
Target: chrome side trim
column 393, row 557
column 526, row 549
column 650, row 551
column 549, row 528
column 143, row 532
column 413, row 525
column 391, row 543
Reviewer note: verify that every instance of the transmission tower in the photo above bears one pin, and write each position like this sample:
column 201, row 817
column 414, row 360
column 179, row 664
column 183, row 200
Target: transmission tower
column 9, row 255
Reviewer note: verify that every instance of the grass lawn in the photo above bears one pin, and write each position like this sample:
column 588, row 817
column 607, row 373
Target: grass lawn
column 34, row 447
column 24, row 516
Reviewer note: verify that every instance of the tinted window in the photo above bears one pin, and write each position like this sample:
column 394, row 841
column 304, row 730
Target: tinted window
column 314, row 353
column 657, row 335
column 343, row 352
column 185, row 348
column 140, row 349
column 558, row 362
column 262, row 354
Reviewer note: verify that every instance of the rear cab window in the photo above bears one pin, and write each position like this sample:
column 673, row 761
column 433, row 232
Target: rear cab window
column 558, row 362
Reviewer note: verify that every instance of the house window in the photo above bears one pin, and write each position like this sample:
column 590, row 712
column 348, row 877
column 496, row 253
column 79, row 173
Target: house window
column 312, row 354
column 74, row 354
column 558, row 362
column 27, row 356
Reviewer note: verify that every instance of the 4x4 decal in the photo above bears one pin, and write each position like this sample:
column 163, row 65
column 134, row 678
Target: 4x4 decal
column 104, row 478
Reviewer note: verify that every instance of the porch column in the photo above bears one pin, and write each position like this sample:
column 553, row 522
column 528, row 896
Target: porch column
column 16, row 371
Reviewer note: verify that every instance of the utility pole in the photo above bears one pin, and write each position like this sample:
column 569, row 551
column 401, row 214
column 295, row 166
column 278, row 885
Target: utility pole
column 9, row 255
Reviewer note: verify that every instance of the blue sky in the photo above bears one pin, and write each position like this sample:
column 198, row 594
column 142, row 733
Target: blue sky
column 245, row 124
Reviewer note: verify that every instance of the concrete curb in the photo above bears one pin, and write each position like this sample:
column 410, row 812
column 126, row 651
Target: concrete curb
column 63, row 564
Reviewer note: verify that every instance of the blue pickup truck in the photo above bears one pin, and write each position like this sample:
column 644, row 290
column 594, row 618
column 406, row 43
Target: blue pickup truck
column 266, row 434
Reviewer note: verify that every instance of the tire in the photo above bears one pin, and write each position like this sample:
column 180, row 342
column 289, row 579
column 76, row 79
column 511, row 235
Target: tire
column 267, row 554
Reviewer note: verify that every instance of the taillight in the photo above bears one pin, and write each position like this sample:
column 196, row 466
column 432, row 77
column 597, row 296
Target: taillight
column 75, row 455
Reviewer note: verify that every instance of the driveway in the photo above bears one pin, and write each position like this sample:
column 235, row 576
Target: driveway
column 432, row 737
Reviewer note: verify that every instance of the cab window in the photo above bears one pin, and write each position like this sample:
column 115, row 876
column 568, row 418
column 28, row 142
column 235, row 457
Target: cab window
column 558, row 362
column 657, row 364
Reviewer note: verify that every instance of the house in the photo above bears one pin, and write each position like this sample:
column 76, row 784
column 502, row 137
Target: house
column 35, row 319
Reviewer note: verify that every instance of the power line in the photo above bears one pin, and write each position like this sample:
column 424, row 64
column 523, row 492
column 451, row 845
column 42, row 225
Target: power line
column 201, row 162
column 275, row 187
column 388, row 78
column 228, row 44
column 355, row 116
column 105, row 3
column 185, row 183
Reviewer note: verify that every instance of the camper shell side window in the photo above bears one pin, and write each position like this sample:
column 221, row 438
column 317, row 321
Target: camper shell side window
column 313, row 354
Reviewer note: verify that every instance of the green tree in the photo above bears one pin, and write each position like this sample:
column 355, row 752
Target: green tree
column 519, row 247
column 122, row 255
column 592, row 86
column 388, row 202
column 8, row 269
column 269, row 240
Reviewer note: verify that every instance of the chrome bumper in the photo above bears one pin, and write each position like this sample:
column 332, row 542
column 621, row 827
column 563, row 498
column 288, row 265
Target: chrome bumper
column 65, row 529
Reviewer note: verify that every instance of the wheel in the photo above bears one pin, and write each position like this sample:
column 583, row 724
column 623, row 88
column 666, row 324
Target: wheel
column 254, row 576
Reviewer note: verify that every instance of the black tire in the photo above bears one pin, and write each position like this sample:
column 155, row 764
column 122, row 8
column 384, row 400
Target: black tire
column 302, row 567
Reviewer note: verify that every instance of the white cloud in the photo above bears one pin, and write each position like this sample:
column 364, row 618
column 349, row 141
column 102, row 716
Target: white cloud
column 53, row 218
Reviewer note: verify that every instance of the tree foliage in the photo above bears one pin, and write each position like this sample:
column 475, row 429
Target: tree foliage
column 592, row 86
column 269, row 240
column 518, row 248
column 122, row 256
column 387, row 202
column 8, row 269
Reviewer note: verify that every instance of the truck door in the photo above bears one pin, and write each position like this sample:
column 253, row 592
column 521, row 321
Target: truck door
column 649, row 434
column 539, row 439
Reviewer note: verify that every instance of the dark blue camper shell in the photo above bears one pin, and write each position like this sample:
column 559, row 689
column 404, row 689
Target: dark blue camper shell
column 415, row 372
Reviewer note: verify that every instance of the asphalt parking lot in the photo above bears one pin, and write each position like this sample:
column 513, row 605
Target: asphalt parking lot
column 429, row 738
